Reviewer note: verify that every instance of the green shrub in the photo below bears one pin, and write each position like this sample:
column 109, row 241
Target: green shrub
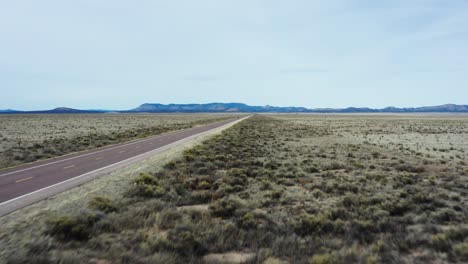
column 69, row 227
column 440, row 242
column 335, row 166
column 223, row 208
column 170, row 165
column 457, row 234
column 145, row 190
column 461, row 251
column 275, row 195
column 308, row 224
column 265, row 185
column 146, row 185
column 445, row 215
column 322, row 259
column 237, row 174
column 363, row 231
column 189, row 157
column 146, row 178
column 247, row 220
column 183, row 241
column 203, row 196
column 397, row 208
column 203, row 185
column 102, row 204
column 411, row 168
column 311, row 170
column 169, row 218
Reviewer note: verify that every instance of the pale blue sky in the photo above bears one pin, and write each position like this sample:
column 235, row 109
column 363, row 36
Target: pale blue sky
column 118, row 54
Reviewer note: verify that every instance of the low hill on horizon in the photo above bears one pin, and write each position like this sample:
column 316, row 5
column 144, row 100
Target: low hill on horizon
column 213, row 108
column 58, row 110
column 244, row 108
column 240, row 107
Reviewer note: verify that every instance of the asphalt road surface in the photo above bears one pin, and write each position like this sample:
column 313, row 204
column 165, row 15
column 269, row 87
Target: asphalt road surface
column 15, row 183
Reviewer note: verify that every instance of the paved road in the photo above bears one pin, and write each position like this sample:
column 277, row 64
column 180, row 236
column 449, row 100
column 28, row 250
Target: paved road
column 21, row 181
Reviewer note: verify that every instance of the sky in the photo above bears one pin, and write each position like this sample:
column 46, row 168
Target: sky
column 115, row 54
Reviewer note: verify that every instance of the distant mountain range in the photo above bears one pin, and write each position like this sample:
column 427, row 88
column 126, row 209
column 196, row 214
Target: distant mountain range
column 214, row 108
column 58, row 110
column 243, row 108
column 7, row 111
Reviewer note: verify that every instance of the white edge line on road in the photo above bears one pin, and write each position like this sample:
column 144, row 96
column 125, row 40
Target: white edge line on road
column 99, row 151
column 111, row 165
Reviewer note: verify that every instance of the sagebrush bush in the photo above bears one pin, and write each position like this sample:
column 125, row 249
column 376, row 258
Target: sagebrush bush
column 146, row 185
column 224, row 207
column 322, row 259
column 102, row 204
column 146, row 178
column 183, row 241
column 461, row 251
column 309, row 225
column 440, row 242
column 72, row 227
column 247, row 220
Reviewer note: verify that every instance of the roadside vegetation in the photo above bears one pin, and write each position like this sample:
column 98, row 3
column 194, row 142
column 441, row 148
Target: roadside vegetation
column 27, row 138
column 284, row 189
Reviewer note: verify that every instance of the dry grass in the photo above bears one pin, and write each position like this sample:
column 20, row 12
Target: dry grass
column 27, row 138
column 287, row 188
column 20, row 228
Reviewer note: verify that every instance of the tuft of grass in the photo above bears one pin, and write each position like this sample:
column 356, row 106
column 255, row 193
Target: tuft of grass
column 102, row 204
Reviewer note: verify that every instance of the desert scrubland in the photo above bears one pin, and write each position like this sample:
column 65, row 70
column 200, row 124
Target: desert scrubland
column 30, row 137
column 282, row 189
